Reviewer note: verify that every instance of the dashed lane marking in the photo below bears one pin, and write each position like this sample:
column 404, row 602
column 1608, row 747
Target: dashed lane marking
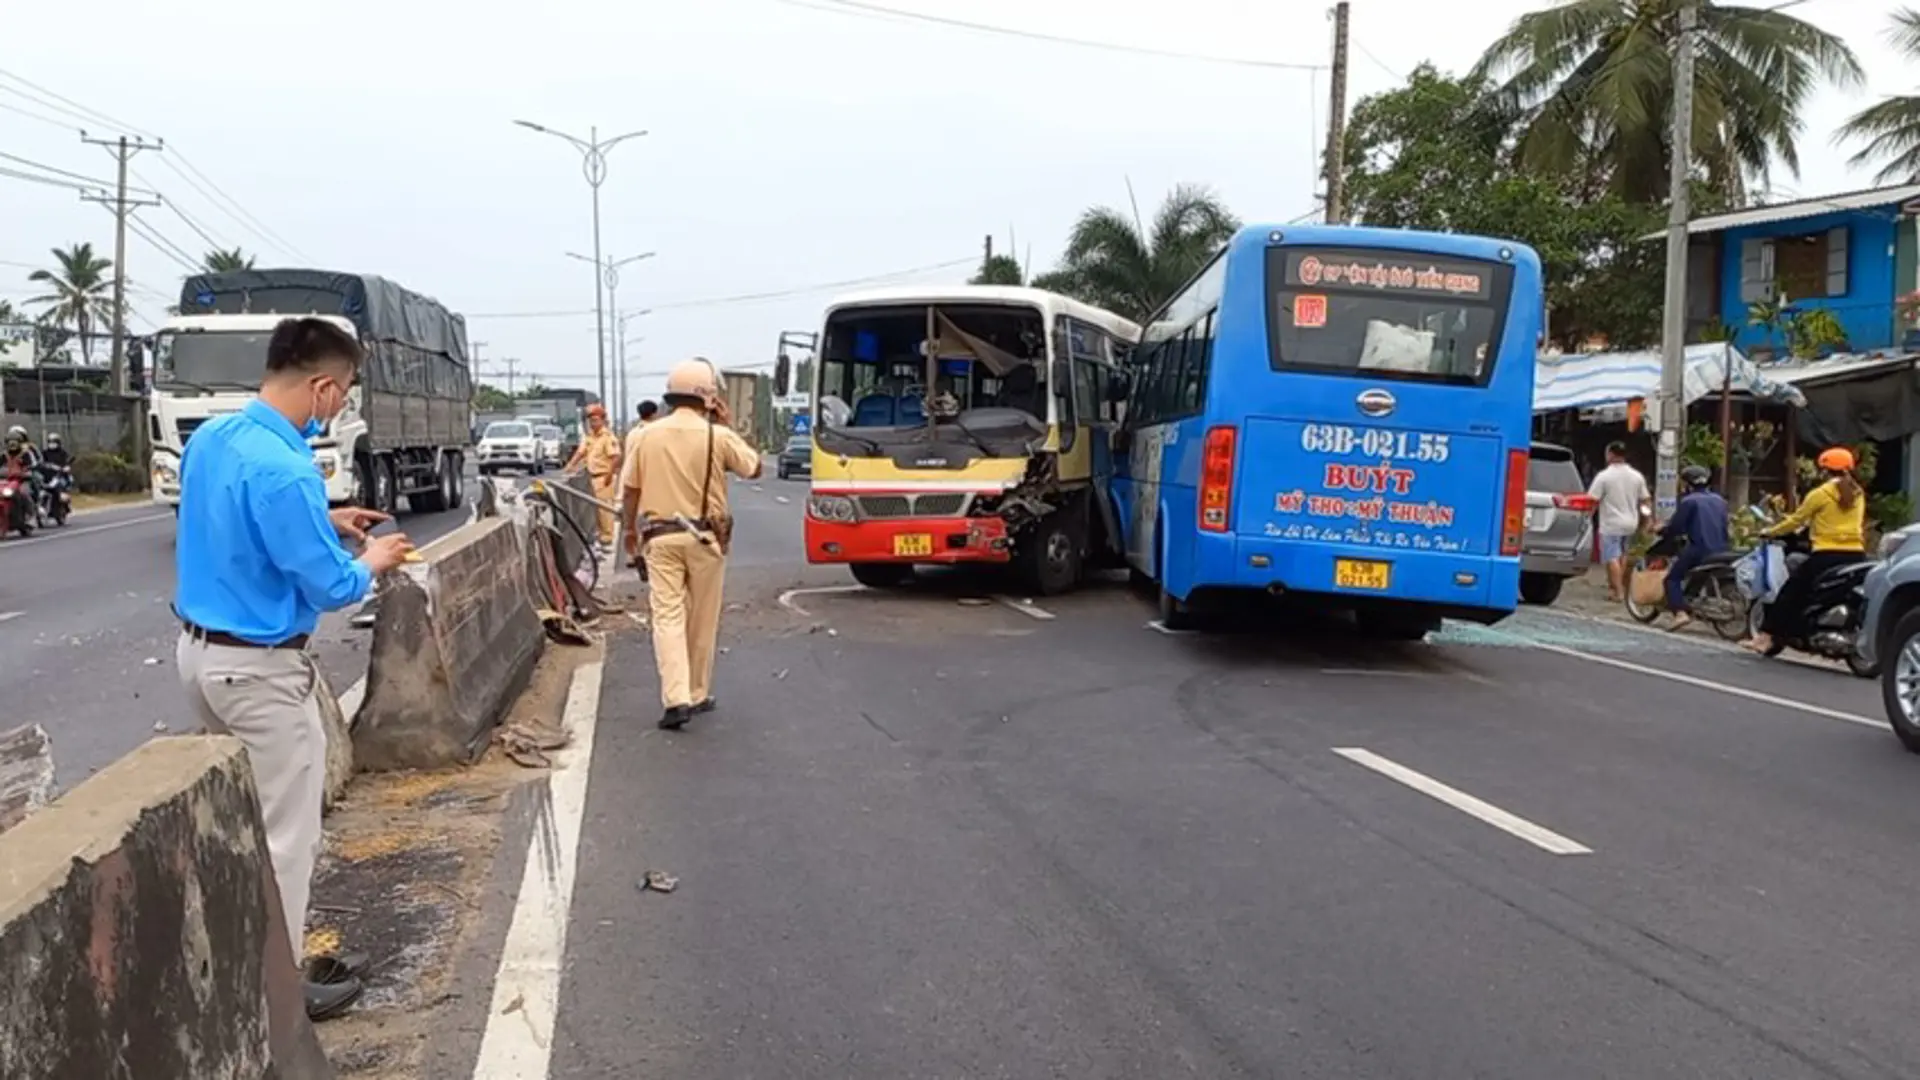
column 7, row 615
column 45, row 535
column 1513, row 824
column 1025, row 607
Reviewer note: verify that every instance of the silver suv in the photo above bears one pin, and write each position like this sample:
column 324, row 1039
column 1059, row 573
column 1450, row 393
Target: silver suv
column 1559, row 542
column 1890, row 630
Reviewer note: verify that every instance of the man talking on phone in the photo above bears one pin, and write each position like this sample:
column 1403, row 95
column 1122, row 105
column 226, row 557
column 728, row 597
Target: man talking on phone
column 258, row 558
column 675, row 517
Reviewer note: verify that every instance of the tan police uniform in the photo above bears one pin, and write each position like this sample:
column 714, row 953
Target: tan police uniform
column 679, row 468
column 602, row 451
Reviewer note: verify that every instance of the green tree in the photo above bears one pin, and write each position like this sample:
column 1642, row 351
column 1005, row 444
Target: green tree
column 1891, row 128
column 80, row 293
column 999, row 270
column 1433, row 155
column 1114, row 263
column 221, row 261
column 534, row 389
column 1588, row 87
column 490, row 398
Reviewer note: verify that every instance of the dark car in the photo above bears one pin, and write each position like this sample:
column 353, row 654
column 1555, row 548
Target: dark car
column 796, row 458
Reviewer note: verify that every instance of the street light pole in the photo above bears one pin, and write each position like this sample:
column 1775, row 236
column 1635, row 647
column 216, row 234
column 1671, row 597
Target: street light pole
column 620, row 334
column 593, row 164
column 1673, row 341
column 610, row 280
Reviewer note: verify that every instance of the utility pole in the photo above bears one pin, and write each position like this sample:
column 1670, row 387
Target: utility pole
column 123, row 149
column 511, row 365
column 1336, row 213
column 1673, row 328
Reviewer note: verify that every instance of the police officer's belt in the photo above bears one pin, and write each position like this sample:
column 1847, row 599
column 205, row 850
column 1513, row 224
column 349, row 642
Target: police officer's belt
column 651, row 529
column 221, row 637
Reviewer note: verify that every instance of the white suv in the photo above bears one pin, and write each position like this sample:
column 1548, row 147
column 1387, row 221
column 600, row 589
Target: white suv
column 510, row 444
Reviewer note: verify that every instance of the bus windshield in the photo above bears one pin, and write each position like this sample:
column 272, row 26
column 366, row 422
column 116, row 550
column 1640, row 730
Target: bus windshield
column 1385, row 315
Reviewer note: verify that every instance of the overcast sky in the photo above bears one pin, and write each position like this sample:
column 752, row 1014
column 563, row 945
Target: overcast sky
column 792, row 144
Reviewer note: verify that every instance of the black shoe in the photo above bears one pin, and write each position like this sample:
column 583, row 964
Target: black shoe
column 676, row 717
column 328, row 1000
column 706, row 706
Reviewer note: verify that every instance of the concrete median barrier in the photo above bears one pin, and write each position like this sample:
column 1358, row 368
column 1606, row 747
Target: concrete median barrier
column 454, row 643
column 141, row 934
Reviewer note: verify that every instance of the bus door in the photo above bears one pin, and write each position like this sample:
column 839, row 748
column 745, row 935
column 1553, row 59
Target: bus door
column 1385, row 428
column 1094, row 417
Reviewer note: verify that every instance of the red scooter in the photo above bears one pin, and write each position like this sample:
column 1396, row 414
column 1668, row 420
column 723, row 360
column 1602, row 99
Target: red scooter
column 16, row 507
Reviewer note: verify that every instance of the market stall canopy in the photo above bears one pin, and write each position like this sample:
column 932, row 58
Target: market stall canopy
column 1588, row 380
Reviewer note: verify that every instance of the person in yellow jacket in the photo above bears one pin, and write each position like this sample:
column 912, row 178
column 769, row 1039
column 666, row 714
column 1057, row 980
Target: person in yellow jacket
column 1835, row 517
column 600, row 452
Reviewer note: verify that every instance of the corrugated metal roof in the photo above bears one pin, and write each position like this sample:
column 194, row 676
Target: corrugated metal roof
column 1837, row 368
column 1799, row 208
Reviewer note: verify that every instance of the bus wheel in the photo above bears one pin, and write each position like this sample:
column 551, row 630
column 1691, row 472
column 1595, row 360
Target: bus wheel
column 881, row 575
column 1050, row 557
column 1175, row 614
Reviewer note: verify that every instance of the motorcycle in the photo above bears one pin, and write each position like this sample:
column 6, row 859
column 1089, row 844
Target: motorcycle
column 16, row 507
column 1712, row 589
column 1832, row 613
column 56, row 494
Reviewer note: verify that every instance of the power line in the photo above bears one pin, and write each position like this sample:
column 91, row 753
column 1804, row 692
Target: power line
column 31, row 115
column 850, row 7
column 30, row 163
column 50, row 181
column 159, row 242
column 184, row 168
column 743, row 298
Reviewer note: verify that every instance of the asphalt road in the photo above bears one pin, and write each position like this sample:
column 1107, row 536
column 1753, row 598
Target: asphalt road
column 87, row 632
column 954, row 839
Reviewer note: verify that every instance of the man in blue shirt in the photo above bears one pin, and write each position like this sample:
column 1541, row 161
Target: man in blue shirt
column 258, row 558
column 1701, row 518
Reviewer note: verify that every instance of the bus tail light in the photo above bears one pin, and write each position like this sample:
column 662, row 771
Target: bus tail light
column 1216, row 479
column 1513, row 517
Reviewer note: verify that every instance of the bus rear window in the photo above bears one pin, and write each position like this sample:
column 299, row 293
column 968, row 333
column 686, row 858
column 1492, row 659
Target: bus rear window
column 1385, row 314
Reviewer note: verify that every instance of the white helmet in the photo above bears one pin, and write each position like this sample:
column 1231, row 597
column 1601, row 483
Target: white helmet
column 17, row 432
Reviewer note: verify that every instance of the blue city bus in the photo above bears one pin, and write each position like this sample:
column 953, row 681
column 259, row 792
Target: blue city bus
column 1339, row 416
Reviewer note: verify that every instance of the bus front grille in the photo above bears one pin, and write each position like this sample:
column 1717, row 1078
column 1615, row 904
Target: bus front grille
column 932, row 504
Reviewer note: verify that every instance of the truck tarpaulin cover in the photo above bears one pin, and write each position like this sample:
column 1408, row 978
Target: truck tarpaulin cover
column 398, row 325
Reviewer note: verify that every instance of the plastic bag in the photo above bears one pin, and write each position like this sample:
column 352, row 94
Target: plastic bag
column 1649, row 587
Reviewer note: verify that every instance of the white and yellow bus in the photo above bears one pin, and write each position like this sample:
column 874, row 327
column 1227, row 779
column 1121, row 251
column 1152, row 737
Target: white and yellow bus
column 966, row 424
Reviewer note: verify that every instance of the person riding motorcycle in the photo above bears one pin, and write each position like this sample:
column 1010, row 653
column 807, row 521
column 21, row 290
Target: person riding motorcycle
column 1701, row 519
column 56, row 452
column 18, row 466
column 1834, row 515
column 32, row 457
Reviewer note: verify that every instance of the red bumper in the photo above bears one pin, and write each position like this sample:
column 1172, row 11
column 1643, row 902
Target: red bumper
column 909, row 540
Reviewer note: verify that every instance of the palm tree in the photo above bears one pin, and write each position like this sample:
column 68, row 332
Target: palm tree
column 219, row 261
column 1113, row 262
column 998, row 270
column 1891, row 129
column 1589, row 84
column 81, row 293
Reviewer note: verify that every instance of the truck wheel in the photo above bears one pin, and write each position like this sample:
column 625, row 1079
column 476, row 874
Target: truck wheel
column 435, row 501
column 380, row 477
column 456, row 481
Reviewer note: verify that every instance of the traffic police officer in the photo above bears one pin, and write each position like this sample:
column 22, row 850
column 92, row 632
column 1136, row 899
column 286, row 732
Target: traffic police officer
column 258, row 558
column 674, row 515
column 600, row 452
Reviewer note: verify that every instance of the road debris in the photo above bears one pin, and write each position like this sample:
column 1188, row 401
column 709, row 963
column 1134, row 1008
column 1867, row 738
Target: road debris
column 974, row 601
column 160, row 726
column 151, row 661
column 659, row 881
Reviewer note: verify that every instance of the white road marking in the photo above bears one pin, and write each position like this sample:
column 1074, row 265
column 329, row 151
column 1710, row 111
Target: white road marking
column 787, row 601
column 1724, row 688
column 6, row 615
column 518, row 1043
column 1539, row 836
column 43, row 535
column 1372, row 672
column 1716, row 644
column 351, row 700
column 1159, row 627
column 1025, row 607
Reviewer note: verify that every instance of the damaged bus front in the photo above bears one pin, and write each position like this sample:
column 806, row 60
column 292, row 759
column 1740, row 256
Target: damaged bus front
column 966, row 424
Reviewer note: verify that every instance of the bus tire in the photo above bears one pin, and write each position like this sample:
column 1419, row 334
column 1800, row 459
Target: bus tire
column 881, row 575
column 1050, row 555
column 1175, row 614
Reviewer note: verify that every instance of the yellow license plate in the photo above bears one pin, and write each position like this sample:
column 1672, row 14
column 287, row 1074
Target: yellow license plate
column 910, row 544
column 1361, row 574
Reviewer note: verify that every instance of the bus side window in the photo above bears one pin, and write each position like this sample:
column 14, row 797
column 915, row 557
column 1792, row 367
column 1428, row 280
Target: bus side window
column 1193, row 387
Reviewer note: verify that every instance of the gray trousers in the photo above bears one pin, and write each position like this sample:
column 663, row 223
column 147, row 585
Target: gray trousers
column 266, row 699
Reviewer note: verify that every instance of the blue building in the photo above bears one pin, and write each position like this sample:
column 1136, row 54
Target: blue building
column 1853, row 254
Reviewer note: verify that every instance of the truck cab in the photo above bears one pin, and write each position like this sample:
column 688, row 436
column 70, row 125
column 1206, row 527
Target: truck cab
column 210, row 365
